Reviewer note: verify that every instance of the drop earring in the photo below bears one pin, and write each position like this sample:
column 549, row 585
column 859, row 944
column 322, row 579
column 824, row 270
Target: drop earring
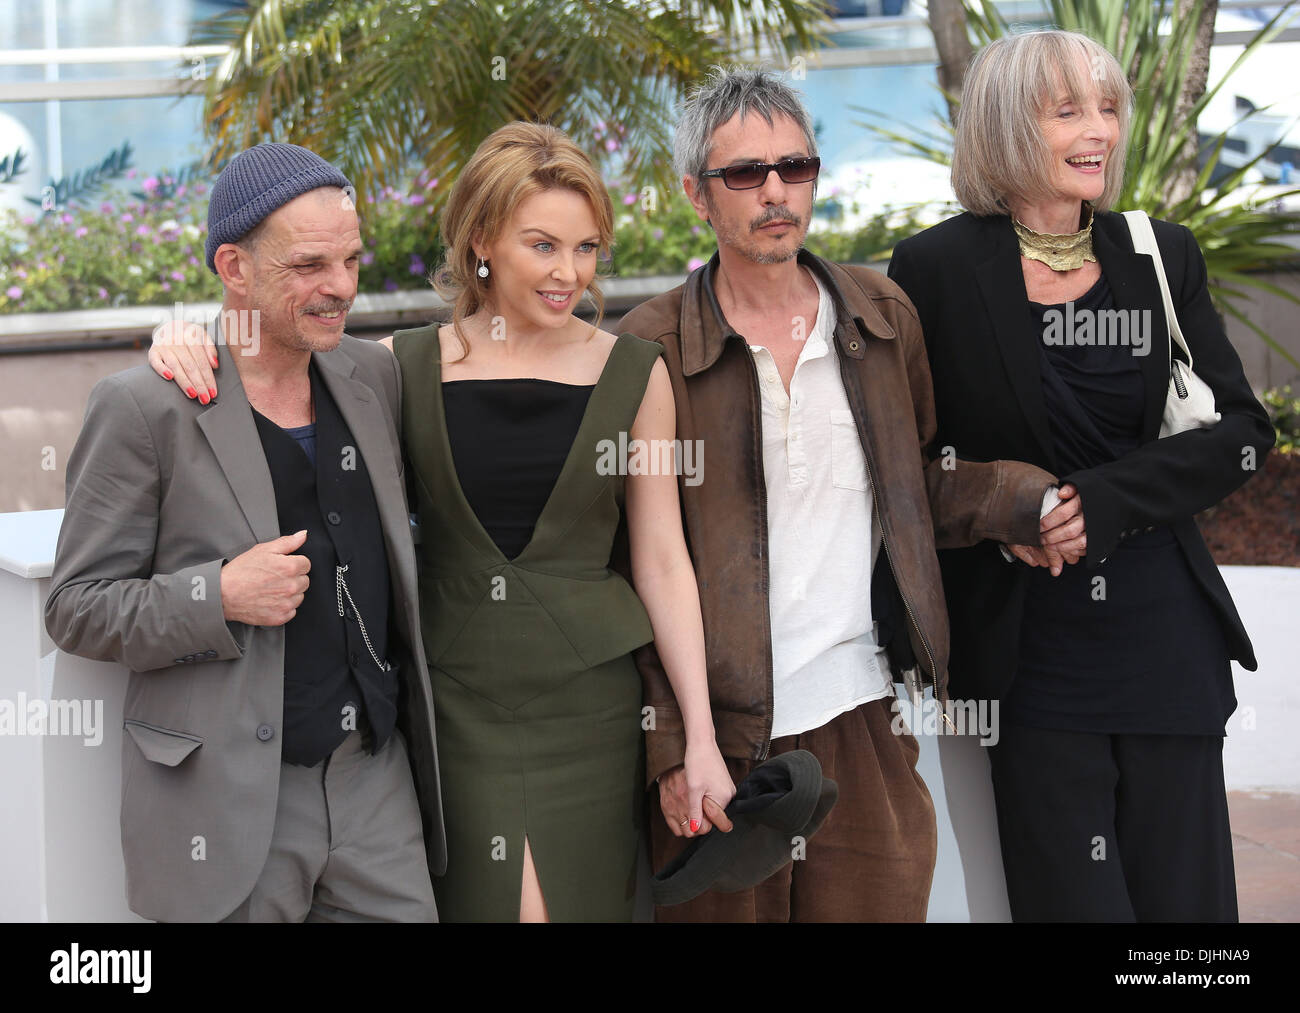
column 482, row 268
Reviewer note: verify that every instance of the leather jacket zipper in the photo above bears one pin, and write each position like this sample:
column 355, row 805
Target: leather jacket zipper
column 762, row 548
column 889, row 556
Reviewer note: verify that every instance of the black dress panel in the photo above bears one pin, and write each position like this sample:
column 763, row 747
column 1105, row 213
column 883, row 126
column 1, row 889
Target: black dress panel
column 509, row 440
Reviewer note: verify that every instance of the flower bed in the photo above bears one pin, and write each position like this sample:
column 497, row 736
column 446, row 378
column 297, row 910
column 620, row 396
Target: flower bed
column 146, row 247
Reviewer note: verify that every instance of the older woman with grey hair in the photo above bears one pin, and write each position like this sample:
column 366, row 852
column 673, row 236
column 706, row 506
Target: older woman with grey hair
column 1107, row 646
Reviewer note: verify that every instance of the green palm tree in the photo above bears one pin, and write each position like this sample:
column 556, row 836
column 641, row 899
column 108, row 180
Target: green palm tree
column 382, row 87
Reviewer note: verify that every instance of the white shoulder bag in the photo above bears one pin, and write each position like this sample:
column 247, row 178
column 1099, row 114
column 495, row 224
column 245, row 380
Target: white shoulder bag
column 1189, row 404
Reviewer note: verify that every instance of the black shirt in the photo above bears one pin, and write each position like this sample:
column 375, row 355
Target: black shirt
column 332, row 682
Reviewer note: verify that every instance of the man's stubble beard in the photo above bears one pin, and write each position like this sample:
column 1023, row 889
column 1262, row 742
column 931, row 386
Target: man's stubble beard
column 739, row 238
column 286, row 332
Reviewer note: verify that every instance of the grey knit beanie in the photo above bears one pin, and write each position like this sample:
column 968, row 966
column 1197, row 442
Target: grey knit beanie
column 258, row 181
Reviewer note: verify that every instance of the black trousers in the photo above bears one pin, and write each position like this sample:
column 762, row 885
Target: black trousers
column 1113, row 828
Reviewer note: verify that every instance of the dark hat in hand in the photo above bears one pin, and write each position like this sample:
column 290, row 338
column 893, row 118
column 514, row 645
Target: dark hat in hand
column 782, row 799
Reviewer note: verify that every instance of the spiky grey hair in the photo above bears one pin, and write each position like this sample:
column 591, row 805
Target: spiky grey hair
column 726, row 92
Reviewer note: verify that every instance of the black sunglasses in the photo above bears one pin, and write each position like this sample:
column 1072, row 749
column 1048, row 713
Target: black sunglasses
column 754, row 174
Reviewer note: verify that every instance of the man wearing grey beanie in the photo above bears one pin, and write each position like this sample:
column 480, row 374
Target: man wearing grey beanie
column 250, row 561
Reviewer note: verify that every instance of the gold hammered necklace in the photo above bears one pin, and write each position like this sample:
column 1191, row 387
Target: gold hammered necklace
column 1059, row 252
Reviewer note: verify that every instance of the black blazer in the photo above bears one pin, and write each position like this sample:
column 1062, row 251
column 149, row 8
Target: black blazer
column 964, row 277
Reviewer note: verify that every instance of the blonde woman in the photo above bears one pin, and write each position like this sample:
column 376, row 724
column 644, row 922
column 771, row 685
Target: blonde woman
column 1107, row 644
column 509, row 416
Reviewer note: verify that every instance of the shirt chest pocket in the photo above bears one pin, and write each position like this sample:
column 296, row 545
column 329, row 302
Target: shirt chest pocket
column 848, row 466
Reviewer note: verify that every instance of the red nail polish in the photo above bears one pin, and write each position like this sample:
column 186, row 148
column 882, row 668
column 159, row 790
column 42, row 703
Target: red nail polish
column 167, row 374
column 695, row 826
column 191, row 392
column 212, row 392
column 204, row 399
column 215, row 363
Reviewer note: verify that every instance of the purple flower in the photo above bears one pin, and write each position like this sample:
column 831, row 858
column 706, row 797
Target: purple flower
column 106, row 208
column 170, row 205
column 200, row 188
column 180, row 190
column 695, row 230
column 629, row 199
column 659, row 235
column 194, row 262
column 432, row 184
column 694, row 264
column 390, row 285
column 367, row 259
column 14, row 292
column 131, row 173
column 151, row 184
column 178, row 276
column 82, row 231
column 142, row 230
column 103, row 293
column 20, row 272
column 66, row 219
column 42, row 266
column 415, row 200
column 28, row 220
column 128, row 217
column 168, row 180
column 417, row 265
column 167, row 286
column 611, row 145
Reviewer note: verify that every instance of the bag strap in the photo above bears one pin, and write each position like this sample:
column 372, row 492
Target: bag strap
column 1144, row 241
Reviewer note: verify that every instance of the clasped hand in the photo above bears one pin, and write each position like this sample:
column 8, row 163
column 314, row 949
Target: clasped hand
column 693, row 796
column 1062, row 533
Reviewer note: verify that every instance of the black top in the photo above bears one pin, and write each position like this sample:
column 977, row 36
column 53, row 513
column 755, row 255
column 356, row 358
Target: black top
column 1133, row 646
column 332, row 684
column 509, row 441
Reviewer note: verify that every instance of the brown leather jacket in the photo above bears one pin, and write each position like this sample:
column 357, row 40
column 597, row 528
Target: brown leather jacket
column 887, row 379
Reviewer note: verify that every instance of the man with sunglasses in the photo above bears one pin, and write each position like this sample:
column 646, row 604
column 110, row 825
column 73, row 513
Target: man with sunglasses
column 810, row 527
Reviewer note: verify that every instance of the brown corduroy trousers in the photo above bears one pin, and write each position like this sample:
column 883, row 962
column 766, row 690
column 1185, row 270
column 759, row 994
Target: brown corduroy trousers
column 873, row 858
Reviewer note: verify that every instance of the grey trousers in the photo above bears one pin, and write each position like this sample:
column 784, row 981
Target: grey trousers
column 347, row 844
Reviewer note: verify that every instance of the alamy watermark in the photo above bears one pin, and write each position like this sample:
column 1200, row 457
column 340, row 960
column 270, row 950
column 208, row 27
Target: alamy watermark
column 954, row 717
column 38, row 716
column 75, row 966
column 624, row 456
column 237, row 328
column 1121, row 328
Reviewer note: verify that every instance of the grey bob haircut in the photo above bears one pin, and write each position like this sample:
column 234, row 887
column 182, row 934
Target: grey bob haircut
column 726, row 92
column 1000, row 156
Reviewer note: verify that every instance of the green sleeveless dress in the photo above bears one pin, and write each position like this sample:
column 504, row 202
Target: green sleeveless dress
column 538, row 701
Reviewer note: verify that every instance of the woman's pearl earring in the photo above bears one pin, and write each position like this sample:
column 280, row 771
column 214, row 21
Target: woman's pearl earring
column 482, row 268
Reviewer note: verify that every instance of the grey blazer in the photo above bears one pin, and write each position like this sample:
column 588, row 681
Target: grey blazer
column 161, row 491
